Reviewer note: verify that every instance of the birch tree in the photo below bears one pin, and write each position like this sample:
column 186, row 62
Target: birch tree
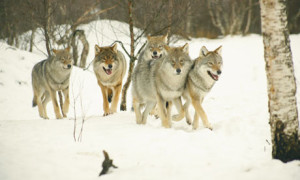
column 281, row 81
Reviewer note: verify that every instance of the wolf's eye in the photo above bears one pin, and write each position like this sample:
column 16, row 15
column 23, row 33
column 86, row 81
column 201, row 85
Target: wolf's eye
column 173, row 63
column 219, row 63
column 210, row 63
column 181, row 61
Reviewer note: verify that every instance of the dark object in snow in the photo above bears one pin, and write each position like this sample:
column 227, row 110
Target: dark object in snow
column 107, row 163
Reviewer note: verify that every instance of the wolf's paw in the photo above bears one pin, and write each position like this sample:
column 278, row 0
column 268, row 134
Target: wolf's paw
column 106, row 113
column 209, row 126
column 177, row 117
column 188, row 121
column 45, row 117
column 59, row 117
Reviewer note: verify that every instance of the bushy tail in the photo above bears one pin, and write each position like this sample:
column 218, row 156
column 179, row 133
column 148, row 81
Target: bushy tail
column 34, row 102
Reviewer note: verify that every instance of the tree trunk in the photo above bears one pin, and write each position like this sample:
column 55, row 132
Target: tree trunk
column 132, row 58
column 281, row 81
column 32, row 40
column 85, row 50
column 170, row 14
column 74, row 48
column 248, row 18
column 47, row 8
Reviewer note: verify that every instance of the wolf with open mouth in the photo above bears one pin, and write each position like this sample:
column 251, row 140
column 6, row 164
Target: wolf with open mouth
column 110, row 68
column 205, row 72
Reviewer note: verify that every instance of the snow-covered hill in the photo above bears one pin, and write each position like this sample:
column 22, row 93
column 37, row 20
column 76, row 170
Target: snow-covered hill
column 238, row 147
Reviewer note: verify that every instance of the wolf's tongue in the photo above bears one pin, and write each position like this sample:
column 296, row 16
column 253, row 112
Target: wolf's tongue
column 216, row 77
column 108, row 71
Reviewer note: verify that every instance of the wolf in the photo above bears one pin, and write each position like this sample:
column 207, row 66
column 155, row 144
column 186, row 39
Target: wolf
column 205, row 72
column 49, row 76
column 154, row 48
column 109, row 67
column 160, row 82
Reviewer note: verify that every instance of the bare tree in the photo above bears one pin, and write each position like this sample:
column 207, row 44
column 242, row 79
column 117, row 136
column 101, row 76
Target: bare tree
column 281, row 81
column 132, row 58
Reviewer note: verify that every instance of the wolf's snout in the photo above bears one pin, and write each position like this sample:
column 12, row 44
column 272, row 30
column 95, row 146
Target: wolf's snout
column 69, row 66
column 219, row 72
column 154, row 52
column 178, row 71
column 110, row 66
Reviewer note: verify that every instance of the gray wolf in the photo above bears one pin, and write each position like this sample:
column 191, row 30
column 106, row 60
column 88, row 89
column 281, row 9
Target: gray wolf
column 110, row 67
column 161, row 81
column 205, row 72
column 49, row 76
column 154, row 48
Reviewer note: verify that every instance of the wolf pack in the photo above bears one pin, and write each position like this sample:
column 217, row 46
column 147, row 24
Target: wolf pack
column 164, row 75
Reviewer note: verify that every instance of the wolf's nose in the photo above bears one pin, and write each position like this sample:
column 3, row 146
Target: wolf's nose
column 69, row 66
column 154, row 52
column 219, row 72
column 110, row 66
column 178, row 70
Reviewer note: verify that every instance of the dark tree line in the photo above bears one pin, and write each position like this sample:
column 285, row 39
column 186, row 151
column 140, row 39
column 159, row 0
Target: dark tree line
column 186, row 18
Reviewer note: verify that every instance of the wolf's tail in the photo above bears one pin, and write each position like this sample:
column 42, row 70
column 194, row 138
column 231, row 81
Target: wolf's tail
column 34, row 102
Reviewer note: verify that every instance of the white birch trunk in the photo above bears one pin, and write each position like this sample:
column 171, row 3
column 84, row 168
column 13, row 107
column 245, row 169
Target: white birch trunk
column 281, row 80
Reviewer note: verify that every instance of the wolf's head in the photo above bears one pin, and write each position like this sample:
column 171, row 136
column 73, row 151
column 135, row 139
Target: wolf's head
column 211, row 62
column 106, row 59
column 155, row 47
column 177, row 60
column 63, row 58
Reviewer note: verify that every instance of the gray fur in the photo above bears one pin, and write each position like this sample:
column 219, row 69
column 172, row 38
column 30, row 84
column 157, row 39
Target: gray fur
column 49, row 76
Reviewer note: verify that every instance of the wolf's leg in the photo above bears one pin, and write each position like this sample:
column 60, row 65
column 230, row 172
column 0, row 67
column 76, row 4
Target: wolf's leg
column 148, row 108
column 104, row 90
column 38, row 98
column 196, row 121
column 201, row 113
column 169, row 109
column 67, row 102
column 180, row 109
column 161, row 104
column 186, row 110
column 115, row 97
column 55, row 104
column 47, row 98
column 137, row 110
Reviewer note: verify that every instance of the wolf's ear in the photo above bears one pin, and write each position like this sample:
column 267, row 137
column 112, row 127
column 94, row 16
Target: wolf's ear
column 148, row 37
column 97, row 49
column 203, row 52
column 54, row 51
column 167, row 48
column 165, row 38
column 219, row 50
column 185, row 48
column 68, row 49
column 114, row 47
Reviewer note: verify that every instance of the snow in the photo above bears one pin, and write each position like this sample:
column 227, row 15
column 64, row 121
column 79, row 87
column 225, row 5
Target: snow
column 238, row 147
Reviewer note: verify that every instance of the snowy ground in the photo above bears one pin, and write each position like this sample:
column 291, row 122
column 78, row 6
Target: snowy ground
column 238, row 147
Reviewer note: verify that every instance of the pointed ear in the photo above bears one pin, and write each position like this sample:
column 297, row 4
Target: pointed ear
column 185, row 48
column 54, row 51
column 97, row 49
column 167, row 48
column 203, row 52
column 114, row 47
column 68, row 49
column 218, row 50
column 165, row 38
